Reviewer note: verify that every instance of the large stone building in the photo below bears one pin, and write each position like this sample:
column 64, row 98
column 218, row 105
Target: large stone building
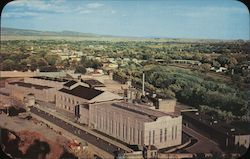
column 75, row 93
column 47, row 81
column 21, row 89
column 133, row 124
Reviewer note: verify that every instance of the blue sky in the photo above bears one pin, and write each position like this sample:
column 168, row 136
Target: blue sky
column 202, row 19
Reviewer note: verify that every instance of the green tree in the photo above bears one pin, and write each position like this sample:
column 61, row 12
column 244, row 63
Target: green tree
column 51, row 59
column 216, row 64
column 205, row 67
column 80, row 69
column 8, row 65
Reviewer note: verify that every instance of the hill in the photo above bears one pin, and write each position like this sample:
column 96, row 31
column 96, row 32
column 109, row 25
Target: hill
column 26, row 32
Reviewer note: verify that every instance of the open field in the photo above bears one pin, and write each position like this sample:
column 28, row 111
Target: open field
column 99, row 38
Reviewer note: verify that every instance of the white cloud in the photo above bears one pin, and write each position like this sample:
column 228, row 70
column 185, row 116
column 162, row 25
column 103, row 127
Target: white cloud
column 40, row 5
column 19, row 14
column 85, row 11
column 94, row 5
column 22, row 8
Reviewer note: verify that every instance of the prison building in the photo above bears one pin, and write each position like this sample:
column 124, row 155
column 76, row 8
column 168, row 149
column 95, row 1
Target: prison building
column 133, row 124
column 47, row 81
column 21, row 89
column 75, row 93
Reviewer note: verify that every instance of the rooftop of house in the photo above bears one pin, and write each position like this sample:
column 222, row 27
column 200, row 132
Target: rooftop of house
column 93, row 83
column 70, row 83
column 29, row 85
column 51, row 78
column 82, row 92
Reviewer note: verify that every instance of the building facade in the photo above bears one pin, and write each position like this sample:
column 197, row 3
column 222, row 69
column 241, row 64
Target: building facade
column 133, row 124
column 20, row 90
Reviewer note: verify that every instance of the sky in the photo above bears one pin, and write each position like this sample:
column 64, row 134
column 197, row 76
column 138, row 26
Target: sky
column 195, row 19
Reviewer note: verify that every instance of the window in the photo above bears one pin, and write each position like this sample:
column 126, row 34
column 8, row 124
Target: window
column 126, row 132
column 133, row 134
column 172, row 132
column 119, row 129
column 175, row 131
column 111, row 126
column 165, row 137
column 149, row 137
column 73, row 101
column 153, row 137
column 161, row 135
column 123, row 131
column 138, row 136
column 130, row 134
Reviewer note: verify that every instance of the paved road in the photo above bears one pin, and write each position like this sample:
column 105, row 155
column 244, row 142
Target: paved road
column 76, row 131
column 204, row 145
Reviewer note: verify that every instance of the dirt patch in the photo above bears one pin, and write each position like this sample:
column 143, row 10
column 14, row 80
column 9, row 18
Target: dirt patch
column 30, row 144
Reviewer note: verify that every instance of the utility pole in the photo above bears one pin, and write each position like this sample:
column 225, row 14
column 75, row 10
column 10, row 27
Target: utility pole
column 143, row 84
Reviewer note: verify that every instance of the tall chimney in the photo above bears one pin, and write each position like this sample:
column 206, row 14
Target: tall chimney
column 143, row 84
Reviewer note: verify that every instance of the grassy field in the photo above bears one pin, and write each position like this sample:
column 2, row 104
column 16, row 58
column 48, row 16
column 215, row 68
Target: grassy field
column 99, row 38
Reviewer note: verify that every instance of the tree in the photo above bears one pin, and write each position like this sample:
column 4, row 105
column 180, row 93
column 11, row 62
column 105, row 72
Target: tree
column 96, row 64
column 80, row 69
column 8, row 65
column 205, row 67
column 232, row 62
column 41, row 62
column 222, row 59
column 216, row 64
column 51, row 59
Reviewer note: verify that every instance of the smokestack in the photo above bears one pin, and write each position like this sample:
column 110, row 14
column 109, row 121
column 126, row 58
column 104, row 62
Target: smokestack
column 143, row 84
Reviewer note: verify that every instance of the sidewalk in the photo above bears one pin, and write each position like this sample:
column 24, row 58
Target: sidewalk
column 204, row 144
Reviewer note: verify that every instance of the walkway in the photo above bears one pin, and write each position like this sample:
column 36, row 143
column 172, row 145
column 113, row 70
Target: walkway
column 204, row 145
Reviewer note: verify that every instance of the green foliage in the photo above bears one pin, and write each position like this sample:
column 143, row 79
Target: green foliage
column 8, row 65
column 90, row 63
column 192, row 89
column 80, row 69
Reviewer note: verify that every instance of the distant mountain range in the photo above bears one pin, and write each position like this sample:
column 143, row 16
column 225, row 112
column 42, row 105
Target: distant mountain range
column 19, row 33
column 28, row 32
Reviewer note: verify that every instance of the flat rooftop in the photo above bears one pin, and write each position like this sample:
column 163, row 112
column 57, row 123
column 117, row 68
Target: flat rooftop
column 82, row 92
column 141, row 111
column 29, row 85
column 93, row 83
column 51, row 78
column 70, row 83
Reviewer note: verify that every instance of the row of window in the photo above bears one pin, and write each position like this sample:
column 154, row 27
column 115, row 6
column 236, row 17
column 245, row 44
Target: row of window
column 163, row 138
column 69, row 100
column 122, row 130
